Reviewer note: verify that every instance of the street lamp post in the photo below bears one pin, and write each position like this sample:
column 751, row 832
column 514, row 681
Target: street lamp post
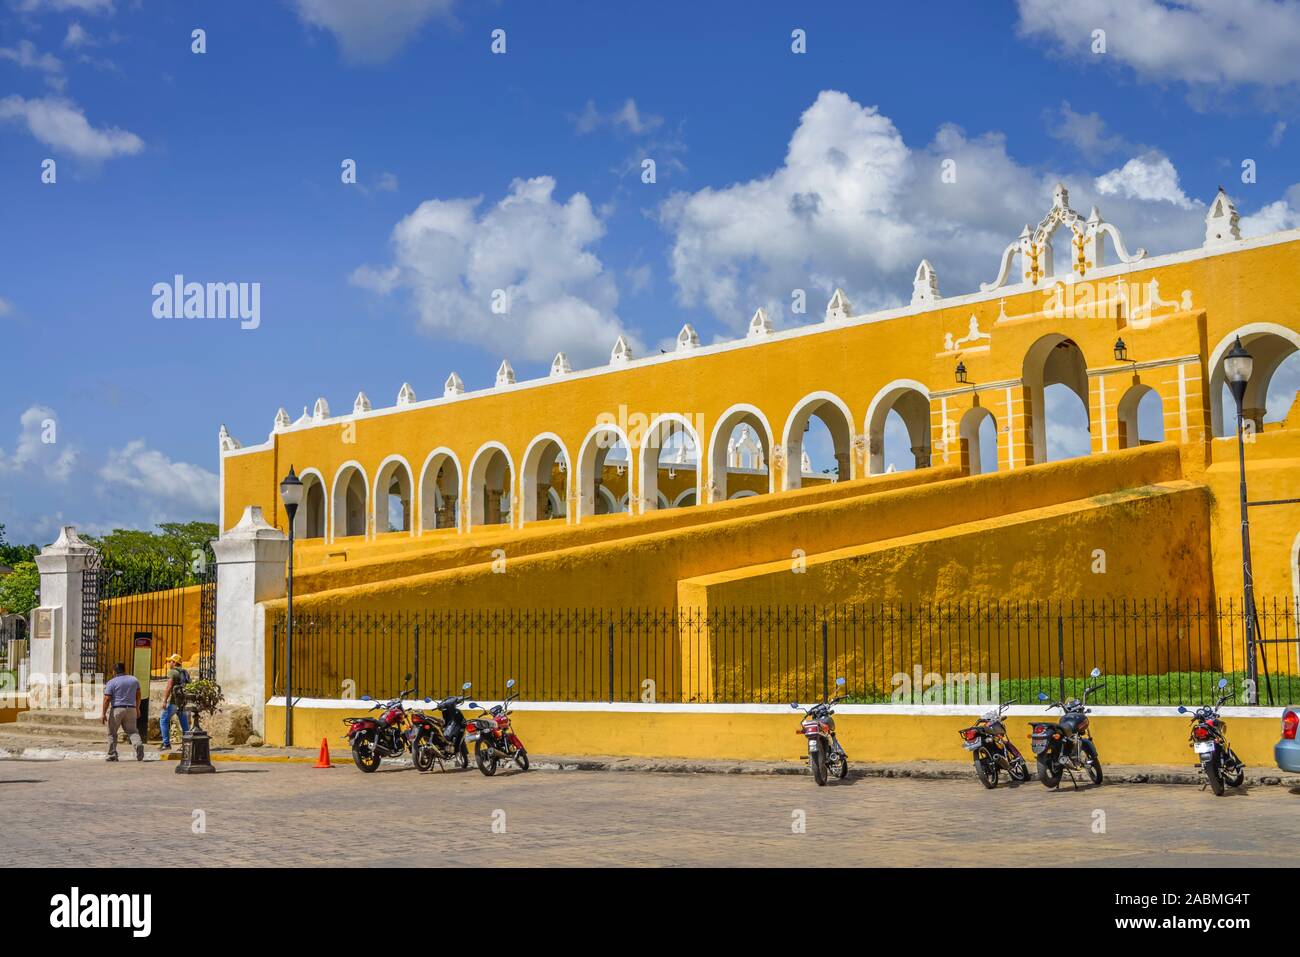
column 291, row 494
column 1237, row 367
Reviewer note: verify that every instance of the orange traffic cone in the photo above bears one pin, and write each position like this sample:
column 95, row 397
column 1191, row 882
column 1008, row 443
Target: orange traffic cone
column 324, row 760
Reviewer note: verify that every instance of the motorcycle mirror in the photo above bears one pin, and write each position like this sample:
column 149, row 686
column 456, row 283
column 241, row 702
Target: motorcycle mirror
column 1042, row 696
column 365, row 697
column 1096, row 672
column 1182, row 710
column 1223, row 682
column 428, row 701
column 839, row 682
column 465, row 686
column 473, row 704
column 794, row 705
column 408, row 677
column 510, row 683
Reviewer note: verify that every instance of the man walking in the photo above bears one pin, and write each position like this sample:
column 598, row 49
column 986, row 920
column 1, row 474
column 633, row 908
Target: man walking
column 177, row 678
column 121, row 709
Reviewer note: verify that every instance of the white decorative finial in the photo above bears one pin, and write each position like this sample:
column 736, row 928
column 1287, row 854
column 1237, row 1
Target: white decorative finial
column 505, row 374
column 560, row 365
column 760, row 325
column 688, row 338
column 453, row 386
column 839, row 308
column 925, row 284
column 361, row 404
column 225, row 441
column 1222, row 224
column 321, row 410
column 622, row 352
column 281, row 420
column 304, row 418
column 406, row 395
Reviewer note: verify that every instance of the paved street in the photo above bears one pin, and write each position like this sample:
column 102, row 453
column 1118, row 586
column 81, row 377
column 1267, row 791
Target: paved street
column 72, row 812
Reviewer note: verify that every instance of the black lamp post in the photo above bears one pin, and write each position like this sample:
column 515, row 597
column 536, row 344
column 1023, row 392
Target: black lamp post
column 291, row 494
column 1237, row 367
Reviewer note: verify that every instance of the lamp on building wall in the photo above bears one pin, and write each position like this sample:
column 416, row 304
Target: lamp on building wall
column 291, row 495
column 1121, row 351
column 1237, row 367
column 961, row 372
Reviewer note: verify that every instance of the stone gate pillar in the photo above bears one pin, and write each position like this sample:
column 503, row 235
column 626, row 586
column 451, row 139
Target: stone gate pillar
column 251, row 565
column 56, row 623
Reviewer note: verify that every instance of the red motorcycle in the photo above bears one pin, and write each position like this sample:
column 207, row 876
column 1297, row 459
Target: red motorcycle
column 373, row 739
column 493, row 738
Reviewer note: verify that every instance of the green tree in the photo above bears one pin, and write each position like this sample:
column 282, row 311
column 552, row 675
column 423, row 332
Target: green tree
column 13, row 554
column 18, row 589
column 142, row 561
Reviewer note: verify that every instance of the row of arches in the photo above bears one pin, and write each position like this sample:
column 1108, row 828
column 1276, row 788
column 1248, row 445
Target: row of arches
column 669, row 464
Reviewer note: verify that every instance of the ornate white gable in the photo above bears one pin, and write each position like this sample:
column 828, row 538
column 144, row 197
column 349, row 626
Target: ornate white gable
column 453, row 386
column 1087, row 244
column 320, row 411
column 839, row 308
column 925, row 284
column 1222, row 224
column 760, row 325
column 361, row 404
column 281, row 420
column 622, row 352
column 560, row 365
column 688, row 338
column 406, row 395
column 505, row 374
column 225, row 441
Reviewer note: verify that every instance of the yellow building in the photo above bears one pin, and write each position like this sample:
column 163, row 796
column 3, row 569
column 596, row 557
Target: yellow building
column 700, row 451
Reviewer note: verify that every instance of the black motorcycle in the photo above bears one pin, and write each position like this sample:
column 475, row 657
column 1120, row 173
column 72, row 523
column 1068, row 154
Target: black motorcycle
column 825, row 755
column 1066, row 747
column 438, row 736
column 987, row 740
column 1209, row 739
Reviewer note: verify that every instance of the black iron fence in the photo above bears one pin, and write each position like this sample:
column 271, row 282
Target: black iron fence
column 13, row 635
column 1153, row 652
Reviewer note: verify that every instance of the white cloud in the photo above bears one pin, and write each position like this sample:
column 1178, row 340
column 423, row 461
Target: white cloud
column 39, row 448
column 1199, row 42
column 854, row 206
column 1278, row 131
column 26, row 56
column 165, row 487
column 627, row 118
column 77, row 37
column 373, row 31
column 1275, row 217
column 6, row 307
column 451, row 256
column 61, row 124
column 1149, row 177
column 1086, row 132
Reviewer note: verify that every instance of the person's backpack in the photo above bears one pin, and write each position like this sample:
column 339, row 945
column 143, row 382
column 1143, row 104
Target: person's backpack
column 182, row 682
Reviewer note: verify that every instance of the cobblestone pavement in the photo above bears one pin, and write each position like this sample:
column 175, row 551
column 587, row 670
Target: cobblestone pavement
column 83, row 813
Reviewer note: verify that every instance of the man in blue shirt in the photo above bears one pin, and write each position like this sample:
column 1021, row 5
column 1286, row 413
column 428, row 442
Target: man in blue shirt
column 121, row 710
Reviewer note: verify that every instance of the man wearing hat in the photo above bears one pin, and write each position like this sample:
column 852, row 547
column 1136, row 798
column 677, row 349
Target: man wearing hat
column 177, row 678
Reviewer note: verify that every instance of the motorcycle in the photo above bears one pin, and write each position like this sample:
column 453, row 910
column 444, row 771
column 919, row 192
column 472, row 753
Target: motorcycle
column 373, row 739
column 1218, row 762
column 1066, row 747
column 993, row 753
column 493, row 737
column 439, row 736
column 824, row 752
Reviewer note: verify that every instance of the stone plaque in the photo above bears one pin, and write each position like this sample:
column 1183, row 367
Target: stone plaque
column 43, row 623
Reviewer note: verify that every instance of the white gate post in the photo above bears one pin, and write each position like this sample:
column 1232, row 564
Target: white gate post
column 250, row 570
column 56, row 624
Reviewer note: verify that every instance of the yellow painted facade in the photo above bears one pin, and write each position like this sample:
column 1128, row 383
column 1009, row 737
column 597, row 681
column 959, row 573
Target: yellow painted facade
column 503, row 496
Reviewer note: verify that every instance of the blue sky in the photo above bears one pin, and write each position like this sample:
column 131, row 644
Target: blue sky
column 476, row 170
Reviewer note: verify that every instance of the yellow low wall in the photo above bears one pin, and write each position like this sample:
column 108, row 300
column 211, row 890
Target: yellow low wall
column 770, row 735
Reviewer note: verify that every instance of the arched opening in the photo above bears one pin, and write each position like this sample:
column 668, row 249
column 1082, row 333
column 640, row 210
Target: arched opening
column 491, row 481
column 603, row 460
column 440, row 491
column 1140, row 417
column 740, row 451
column 545, row 479
column 310, row 520
column 1274, row 377
column 898, row 428
column 821, row 426
column 685, row 499
column 979, row 441
column 393, row 495
column 669, row 461
column 1055, row 377
column 350, row 501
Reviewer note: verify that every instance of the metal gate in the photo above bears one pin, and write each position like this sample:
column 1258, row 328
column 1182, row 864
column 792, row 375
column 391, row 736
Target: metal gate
column 93, row 580
column 208, row 617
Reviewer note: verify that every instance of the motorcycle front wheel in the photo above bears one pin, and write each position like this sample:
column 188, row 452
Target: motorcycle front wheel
column 485, row 758
column 818, row 761
column 521, row 759
column 1049, row 775
column 462, row 756
column 1091, row 761
column 422, row 756
column 1237, row 777
column 365, row 757
column 987, row 773
column 842, row 769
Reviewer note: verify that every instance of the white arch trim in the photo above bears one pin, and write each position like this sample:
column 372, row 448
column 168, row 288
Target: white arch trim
column 886, row 396
column 374, row 493
column 717, row 437
column 440, row 452
column 649, row 471
column 483, row 454
column 334, row 494
column 300, row 520
column 526, row 491
column 794, row 471
column 1214, row 369
column 589, row 507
